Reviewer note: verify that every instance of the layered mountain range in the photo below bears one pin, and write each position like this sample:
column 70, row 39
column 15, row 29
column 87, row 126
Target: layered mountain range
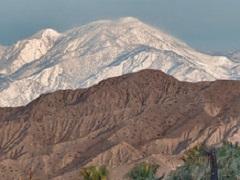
column 145, row 116
column 83, row 56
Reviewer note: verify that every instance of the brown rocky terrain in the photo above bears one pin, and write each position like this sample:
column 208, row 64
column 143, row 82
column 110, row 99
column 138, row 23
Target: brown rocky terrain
column 145, row 116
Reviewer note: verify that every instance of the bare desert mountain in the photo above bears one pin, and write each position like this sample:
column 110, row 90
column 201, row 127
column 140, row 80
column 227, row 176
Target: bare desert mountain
column 145, row 116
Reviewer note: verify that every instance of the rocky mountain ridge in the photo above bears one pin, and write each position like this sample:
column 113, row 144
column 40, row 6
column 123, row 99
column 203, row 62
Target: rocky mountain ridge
column 144, row 116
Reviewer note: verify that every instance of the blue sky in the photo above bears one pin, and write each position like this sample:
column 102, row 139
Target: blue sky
column 208, row 25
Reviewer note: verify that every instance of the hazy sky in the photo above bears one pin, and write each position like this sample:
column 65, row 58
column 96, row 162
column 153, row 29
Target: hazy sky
column 211, row 25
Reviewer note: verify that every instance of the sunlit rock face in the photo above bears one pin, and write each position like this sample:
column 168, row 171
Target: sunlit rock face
column 211, row 109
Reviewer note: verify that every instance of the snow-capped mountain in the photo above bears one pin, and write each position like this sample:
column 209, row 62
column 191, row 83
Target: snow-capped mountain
column 83, row 56
column 26, row 51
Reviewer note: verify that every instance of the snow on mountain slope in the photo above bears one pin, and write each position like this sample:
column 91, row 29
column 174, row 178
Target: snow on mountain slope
column 86, row 55
column 28, row 50
column 234, row 55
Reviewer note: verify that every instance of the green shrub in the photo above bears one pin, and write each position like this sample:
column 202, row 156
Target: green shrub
column 229, row 162
column 94, row 173
column 195, row 156
column 143, row 171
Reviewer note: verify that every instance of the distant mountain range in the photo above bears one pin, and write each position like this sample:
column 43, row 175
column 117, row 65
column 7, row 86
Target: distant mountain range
column 147, row 116
column 83, row 56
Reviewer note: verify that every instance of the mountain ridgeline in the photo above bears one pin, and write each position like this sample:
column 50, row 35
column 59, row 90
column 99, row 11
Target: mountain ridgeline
column 83, row 56
column 146, row 116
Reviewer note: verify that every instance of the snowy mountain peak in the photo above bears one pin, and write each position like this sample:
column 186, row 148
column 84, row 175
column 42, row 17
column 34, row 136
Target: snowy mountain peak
column 122, row 32
column 129, row 20
column 27, row 51
column 47, row 33
column 85, row 55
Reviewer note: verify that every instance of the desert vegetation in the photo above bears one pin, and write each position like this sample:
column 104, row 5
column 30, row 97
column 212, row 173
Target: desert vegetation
column 197, row 164
column 143, row 171
column 94, row 173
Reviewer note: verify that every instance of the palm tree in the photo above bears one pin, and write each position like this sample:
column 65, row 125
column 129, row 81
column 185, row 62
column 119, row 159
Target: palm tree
column 94, row 173
column 224, row 163
column 195, row 156
column 213, row 164
column 143, row 171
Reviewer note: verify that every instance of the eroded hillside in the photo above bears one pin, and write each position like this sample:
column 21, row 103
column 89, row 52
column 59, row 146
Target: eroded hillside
column 145, row 116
